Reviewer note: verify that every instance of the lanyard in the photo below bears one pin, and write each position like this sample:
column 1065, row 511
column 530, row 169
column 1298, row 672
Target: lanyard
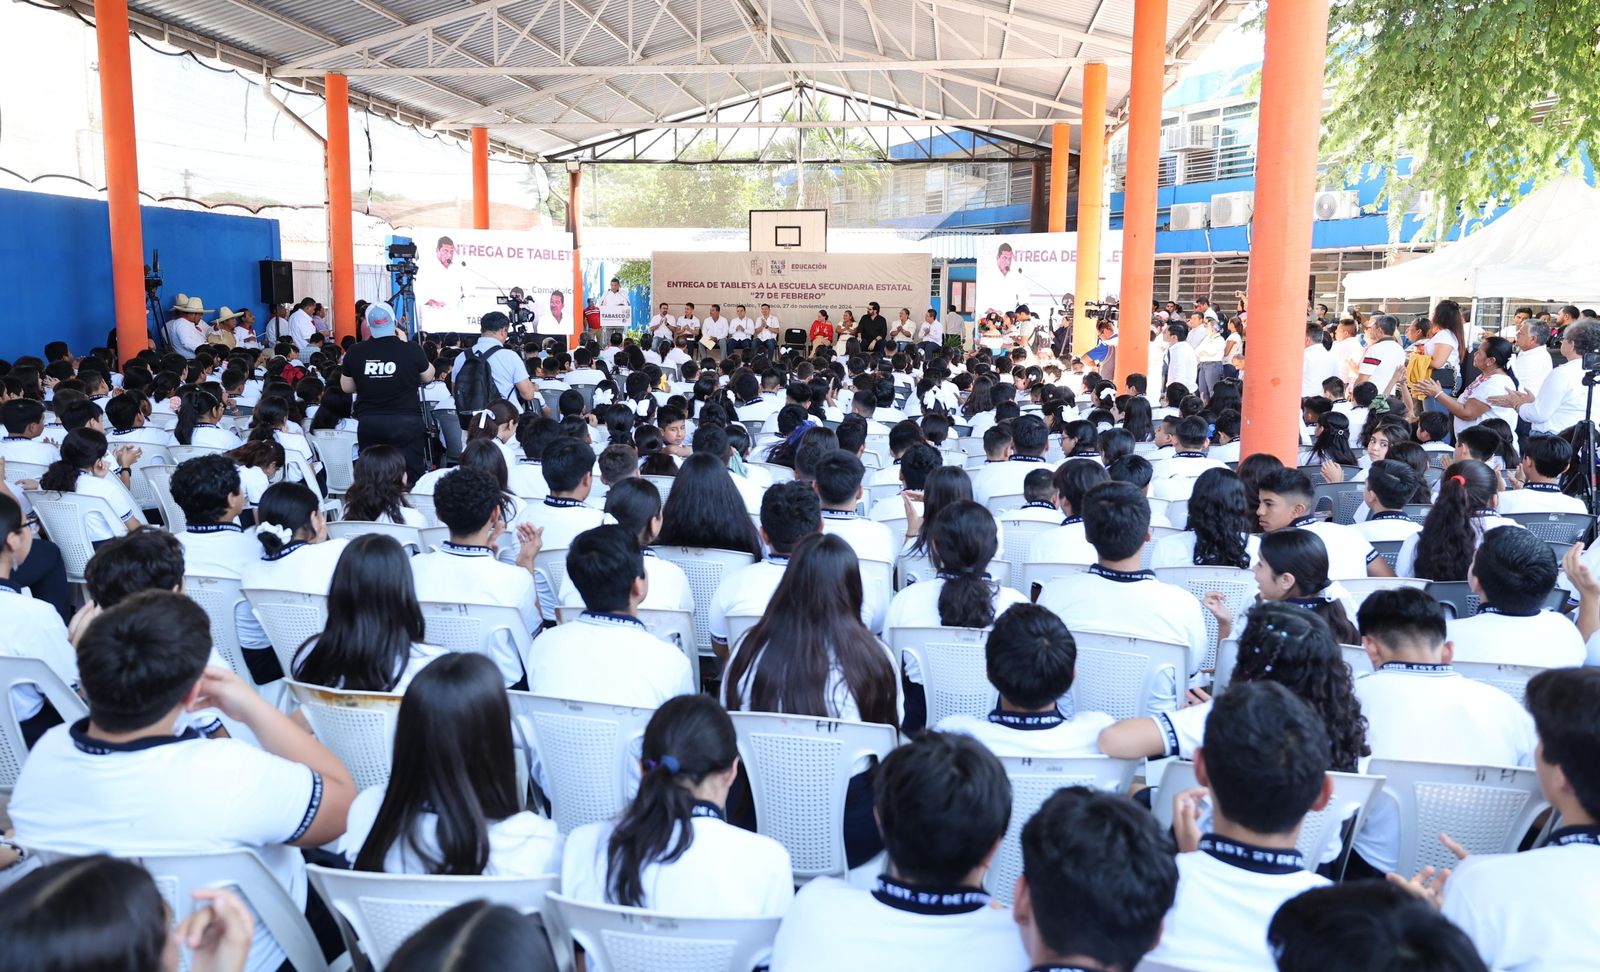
column 285, row 551
column 214, row 528
column 1426, row 668
column 1121, row 576
column 703, row 808
column 617, row 620
column 929, row 900
column 1585, row 834
column 1262, row 860
column 1027, row 720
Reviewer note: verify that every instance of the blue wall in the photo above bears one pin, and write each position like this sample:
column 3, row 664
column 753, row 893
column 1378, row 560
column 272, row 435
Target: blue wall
column 55, row 266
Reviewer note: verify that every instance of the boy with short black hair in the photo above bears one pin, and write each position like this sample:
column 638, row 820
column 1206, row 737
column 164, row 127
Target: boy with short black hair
column 1389, row 486
column 125, row 416
column 1285, row 498
column 1097, row 879
column 1117, row 597
column 24, row 422
column 1544, row 459
column 607, row 655
column 790, row 512
column 1189, row 460
column 1536, row 910
column 1039, row 495
column 913, row 469
column 997, row 444
column 1513, row 574
column 1404, row 633
column 929, row 910
column 1030, row 438
column 838, row 485
column 1265, row 761
column 33, row 629
column 120, row 782
column 209, row 491
column 524, row 478
column 465, row 568
column 1067, row 542
column 1030, row 659
column 1363, row 926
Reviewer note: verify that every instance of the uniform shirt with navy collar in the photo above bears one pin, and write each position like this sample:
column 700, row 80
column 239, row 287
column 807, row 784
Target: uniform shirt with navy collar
column 34, row 629
column 470, row 574
column 608, row 658
column 1032, row 733
column 1227, row 894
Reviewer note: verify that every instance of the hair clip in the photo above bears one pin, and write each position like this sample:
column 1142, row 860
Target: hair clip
column 1459, row 479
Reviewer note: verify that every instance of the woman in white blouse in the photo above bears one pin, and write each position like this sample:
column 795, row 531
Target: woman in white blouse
column 452, row 805
column 82, row 468
column 1444, row 347
column 373, row 638
column 673, row 850
column 1491, row 358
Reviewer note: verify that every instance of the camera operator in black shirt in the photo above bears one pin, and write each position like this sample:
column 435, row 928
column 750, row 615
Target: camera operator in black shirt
column 386, row 374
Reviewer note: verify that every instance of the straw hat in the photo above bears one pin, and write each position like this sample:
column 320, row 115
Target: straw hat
column 189, row 305
column 224, row 314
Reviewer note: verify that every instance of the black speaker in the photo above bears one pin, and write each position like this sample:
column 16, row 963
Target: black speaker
column 277, row 282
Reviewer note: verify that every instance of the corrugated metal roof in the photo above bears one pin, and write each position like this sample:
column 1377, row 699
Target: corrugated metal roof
column 530, row 33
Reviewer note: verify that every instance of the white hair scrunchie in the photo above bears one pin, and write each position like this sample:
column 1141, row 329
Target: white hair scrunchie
column 283, row 533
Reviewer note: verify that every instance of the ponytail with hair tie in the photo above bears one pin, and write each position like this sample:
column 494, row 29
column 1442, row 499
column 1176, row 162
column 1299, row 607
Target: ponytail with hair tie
column 1459, row 479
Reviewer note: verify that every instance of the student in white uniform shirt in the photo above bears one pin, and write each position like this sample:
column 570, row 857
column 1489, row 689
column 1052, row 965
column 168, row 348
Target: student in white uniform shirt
column 673, row 850
column 1030, row 659
column 902, row 437
column 1067, row 543
column 1513, row 574
column 636, row 504
column 1116, row 597
column 464, row 569
column 373, row 639
column 120, row 781
column 712, row 440
column 1265, row 762
column 1030, row 438
column 607, row 655
column 1284, row 499
column 377, row 493
column 790, row 512
column 962, row 539
column 1039, row 506
column 198, row 422
column 125, row 424
column 32, row 628
column 838, row 485
column 524, row 475
column 1535, row 911
column 24, row 439
column 1544, row 459
column 929, row 910
column 455, row 772
column 82, row 468
column 568, row 468
column 208, row 490
column 1190, row 458
column 1390, row 484
column 1318, row 364
column 1097, row 879
column 1219, row 527
column 1461, row 514
column 1404, row 633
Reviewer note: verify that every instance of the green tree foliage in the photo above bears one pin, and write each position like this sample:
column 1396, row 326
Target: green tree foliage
column 1483, row 95
column 666, row 194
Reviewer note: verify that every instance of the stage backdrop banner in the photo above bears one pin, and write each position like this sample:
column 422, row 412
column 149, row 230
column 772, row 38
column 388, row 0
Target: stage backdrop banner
column 797, row 285
column 463, row 273
column 1038, row 268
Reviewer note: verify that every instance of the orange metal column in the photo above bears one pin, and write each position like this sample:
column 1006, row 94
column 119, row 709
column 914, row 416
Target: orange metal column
column 480, row 178
column 1139, row 199
column 122, row 177
column 575, row 226
column 341, row 236
column 1280, row 249
column 1091, row 202
column 1060, row 166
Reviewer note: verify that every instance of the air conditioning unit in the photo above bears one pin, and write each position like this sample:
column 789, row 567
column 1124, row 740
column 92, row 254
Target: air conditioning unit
column 1203, row 136
column 1189, row 216
column 1232, row 208
column 1175, row 138
column 1338, row 204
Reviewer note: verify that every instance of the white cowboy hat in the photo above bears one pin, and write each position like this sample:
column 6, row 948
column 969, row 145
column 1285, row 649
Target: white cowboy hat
column 224, row 314
column 190, row 305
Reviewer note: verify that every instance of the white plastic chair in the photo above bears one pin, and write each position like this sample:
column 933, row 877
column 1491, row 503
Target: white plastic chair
column 423, row 503
column 1510, row 679
column 159, row 479
column 705, row 569
column 456, row 626
column 1360, row 587
column 63, row 515
column 378, row 912
column 357, row 726
column 1320, row 830
column 1033, row 780
column 1487, row 809
column 338, row 452
column 877, row 574
column 409, row 537
column 139, row 484
column 218, row 597
column 1006, row 502
column 616, row 939
column 183, row 453
column 1357, row 658
column 1178, row 513
column 1042, row 572
column 589, row 752
column 739, row 625
column 166, row 421
column 178, row 876
column 552, row 563
column 955, row 676
column 1237, row 586
column 32, row 672
column 799, row 768
column 288, row 618
column 1117, row 674
column 16, row 472
column 1020, row 534
column 663, row 485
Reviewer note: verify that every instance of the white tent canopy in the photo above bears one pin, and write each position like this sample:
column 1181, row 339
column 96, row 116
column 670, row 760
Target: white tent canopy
column 1538, row 249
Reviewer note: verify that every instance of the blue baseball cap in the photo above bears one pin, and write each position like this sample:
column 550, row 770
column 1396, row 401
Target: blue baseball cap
column 381, row 320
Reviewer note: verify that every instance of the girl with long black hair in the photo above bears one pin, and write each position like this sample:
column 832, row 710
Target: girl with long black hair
column 296, row 555
column 1293, row 568
column 961, row 538
column 1463, row 513
column 673, row 850
column 378, row 490
column 636, row 505
column 82, row 468
column 451, row 805
column 1331, row 443
column 198, row 419
column 373, row 639
column 705, row 509
column 1218, row 533
column 1138, row 421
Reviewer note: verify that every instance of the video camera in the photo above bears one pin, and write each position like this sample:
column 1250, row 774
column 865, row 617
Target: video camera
column 516, row 305
column 403, row 259
column 1101, row 310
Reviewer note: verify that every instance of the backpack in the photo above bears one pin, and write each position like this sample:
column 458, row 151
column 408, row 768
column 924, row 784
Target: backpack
column 475, row 387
